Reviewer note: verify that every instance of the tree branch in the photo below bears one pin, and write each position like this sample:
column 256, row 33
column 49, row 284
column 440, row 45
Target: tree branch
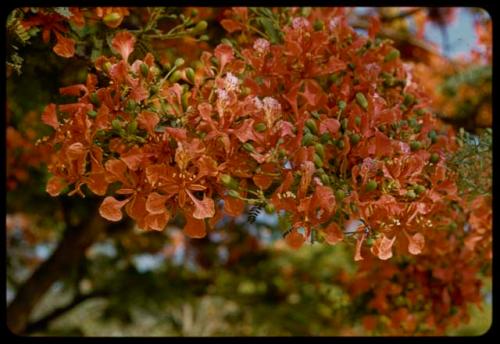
column 71, row 248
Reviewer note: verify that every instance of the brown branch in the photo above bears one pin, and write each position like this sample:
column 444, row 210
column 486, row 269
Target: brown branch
column 67, row 255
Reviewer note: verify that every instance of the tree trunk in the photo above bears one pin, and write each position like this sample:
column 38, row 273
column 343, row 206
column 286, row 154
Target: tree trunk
column 70, row 250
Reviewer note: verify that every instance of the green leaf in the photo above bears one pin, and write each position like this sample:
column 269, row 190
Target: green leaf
column 270, row 30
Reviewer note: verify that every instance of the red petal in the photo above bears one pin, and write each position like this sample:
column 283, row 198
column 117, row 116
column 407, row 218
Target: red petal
column 148, row 121
column 204, row 208
column 230, row 25
column 224, row 54
column 49, row 116
column 157, row 221
column 55, row 185
column 155, row 204
column 65, row 47
column 123, row 42
column 333, row 234
column 110, row 208
column 294, row 239
column 194, row 228
column 416, row 243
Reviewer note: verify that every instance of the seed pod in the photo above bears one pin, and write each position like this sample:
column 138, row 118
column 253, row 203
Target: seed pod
column 318, row 162
column 260, row 127
column 144, row 69
column 339, row 195
column 415, row 145
column 307, row 139
column 233, row 193
column 175, row 76
column 371, row 185
column 311, row 124
column 355, row 138
column 248, row 147
column 360, row 98
column 392, row 55
column 269, row 208
column 190, row 74
column 320, row 149
column 229, row 181
column 434, row 158
column 357, row 120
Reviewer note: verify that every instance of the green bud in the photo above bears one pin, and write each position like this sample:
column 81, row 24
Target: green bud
column 190, row 74
column 412, row 122
column 194, row 12
column 318, row 25
column 340, row 144
column 144, row 69
column 324, row 179
column 325, row 138
column 420, row 112
column 392, row 55
column 111, row 17
column 179, row 62
column 419, row 188
column 434, row 158
column 260, row 127
column 355, row 138
column 248, row 147
column 315, row 115
column 371, row 185
column 320, row 149
column 357, row 120
column 360, row 98
column 116, row 124
column 106, row 66
column 339, row 195
column 344, row 123
column 94, row 99
column 132, row 127
column 415, row 145
column 307, row 139
column 204, row 38
column 175, row 76
column 311, row 124
column 92, row 113
column 200, row 26
column 409, row 99
column 411, row 194
column 229, row 181
column 185, row 100
column 342, row 105
column 318, row 162
column 233, row 193
column 269, row 208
